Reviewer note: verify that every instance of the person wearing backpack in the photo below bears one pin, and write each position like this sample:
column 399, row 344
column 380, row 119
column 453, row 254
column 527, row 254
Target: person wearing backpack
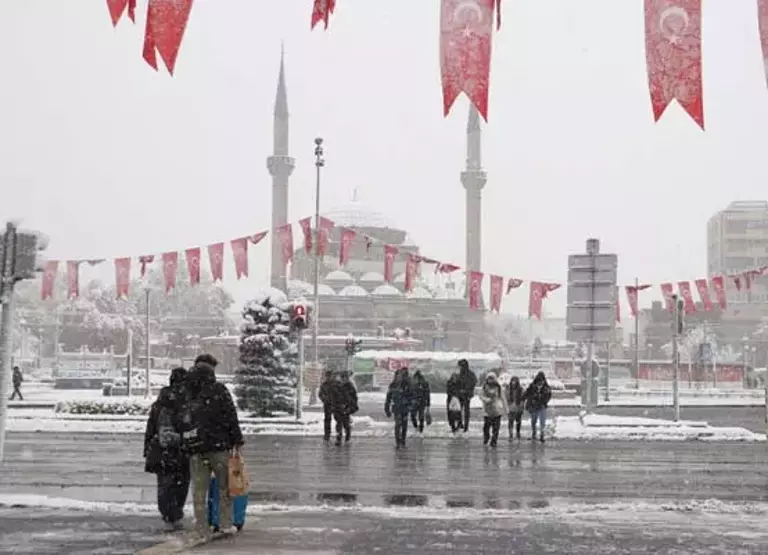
column 164, row 455
column 210, row 432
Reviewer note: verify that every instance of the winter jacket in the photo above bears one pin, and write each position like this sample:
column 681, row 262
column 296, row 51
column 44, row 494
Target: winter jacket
column 325, row 392
column 515, row 398
column 421, row 394
column 538, row 394
column 162, row 442
column 17, row 378
column 493, row 399
column 208, row 419
column 399, row 398
column 452, row 389
column 467, row 381
column 343, row 397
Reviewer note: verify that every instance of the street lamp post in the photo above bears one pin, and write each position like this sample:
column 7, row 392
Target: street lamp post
column 148, row 348
column 319, row 164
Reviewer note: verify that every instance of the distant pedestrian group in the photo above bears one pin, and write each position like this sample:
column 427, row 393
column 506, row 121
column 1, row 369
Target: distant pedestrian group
column 339, row 398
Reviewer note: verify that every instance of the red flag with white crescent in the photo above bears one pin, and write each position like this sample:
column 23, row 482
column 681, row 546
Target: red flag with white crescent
column 306, row 229
column 673, row 56
column 513, row 283
column 389, row 262
column 475, row 283
column 535, row 296
column 143, row 261
column 762, row 18
column 497, row 290
column 666, row 292
column 322, row 11
column 73, row 279
column 117, row 8
column 345, row 245
column 323, row 235
column 703, row 288
column 411, row 268
column 689, row 305
column 466, row 35
column 718, row 284
column 257, row 238
column 240, row 254
column 285, row 234
column 122, row 276
column 216, row 261
column 193, row 265
column 170, row 266
column 166, row 23
column 49, row 279
column 446, row 268
column 632, row 297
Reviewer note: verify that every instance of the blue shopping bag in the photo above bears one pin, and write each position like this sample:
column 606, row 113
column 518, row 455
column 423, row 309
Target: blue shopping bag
column 239, row 506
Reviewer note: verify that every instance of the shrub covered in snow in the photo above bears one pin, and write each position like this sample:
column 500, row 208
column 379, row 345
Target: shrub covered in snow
column 132, row 407
column 266, row 377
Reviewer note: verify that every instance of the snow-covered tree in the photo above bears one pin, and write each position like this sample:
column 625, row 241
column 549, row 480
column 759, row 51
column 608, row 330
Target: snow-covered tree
column 266, row 378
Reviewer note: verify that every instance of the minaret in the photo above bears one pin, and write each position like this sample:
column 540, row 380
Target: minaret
column 473, row 178
column 280, row 166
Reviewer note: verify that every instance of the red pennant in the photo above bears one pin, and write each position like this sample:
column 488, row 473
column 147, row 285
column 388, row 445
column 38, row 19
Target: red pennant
column 170, row 267
column 632, row 295
column 446, row 268
column 411, row 269
column 117, row 7
column 535, row 296
column 216, row 261
column 49, row 279
column 73, row 279
column 497, row 289
column 257, row 238
column 285, row 234
column 466, row 32
column 689, row 306
column 306, row 229
column 762, row 18
column 475, row 283
column 240, row 254
column 322, row 11
column 193, row 265
column 368, row 244
column 143, row 261
column 718, row 284
column 122, row 276
column 345, row 245
column 737, row 282
column 666, row 292
column 389, row 262
column 166, row 22
column 323, row 235
column 703, row 288
column 673, row 55
column 513, row 283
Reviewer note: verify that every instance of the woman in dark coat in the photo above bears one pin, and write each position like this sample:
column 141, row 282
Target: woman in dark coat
column 537, row 398
column 421, row 402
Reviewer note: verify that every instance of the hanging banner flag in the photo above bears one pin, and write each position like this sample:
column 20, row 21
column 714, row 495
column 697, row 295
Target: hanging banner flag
column 324, row 235
column 389, row 262
column 689, row 306
column 73, row 279
column 240, row 254
column 666, row 292
column 411, row 269
column 322, row 11
column 306, row 229
column 537, row 293
column 49, row 279
column 475, row 282
column 193, row 265
column 446, row 268
column 673, row 56
column 748, row 281
column 466, row 33
column 632, row 297
column 122, row 276
column 216, row 261
column 513, row 283
column 762, row 19
column 497, row 290
column 737, row 282
column 703, row 288
column 117, row 7
column 345, row 245
column 166, row 22
column 718, row 284
column 285, row 234
column 257, row 238
column 143, row 261
column 170, row 266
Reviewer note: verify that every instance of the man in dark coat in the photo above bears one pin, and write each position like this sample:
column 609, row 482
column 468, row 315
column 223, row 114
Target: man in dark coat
column 210, row 432
column 421, row 401
column 163, row 453
column 398, row 403
column 462, row 386
column 325, row 394
column 343, row 405
column 537, row 398
column 17, row 380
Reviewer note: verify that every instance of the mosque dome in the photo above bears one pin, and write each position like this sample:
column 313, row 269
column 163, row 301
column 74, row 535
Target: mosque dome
column 387, row 290
column 353, row 291
column 372, row 277
column 337, row 277
column 419, row 293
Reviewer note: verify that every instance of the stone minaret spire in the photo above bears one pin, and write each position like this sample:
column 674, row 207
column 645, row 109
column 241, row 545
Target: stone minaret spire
column 473, row 178
column 280, row 166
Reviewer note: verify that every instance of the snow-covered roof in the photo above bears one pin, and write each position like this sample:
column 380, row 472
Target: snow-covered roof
column 399, row 278
column 387, row 290
column 372, row 277
column 298, row 288
column 441, row 356
column 447, row 294
column 325, row 290
column 420, row 293
column 275, row 295
column 338, row 276
column 353, row 291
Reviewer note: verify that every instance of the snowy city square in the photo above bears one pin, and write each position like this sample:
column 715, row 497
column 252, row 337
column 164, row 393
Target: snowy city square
column 329, row 277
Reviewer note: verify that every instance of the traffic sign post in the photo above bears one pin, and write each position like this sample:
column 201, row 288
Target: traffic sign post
column 591, row 311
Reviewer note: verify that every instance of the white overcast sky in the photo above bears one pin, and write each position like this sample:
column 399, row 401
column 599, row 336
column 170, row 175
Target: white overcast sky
column 112, row 159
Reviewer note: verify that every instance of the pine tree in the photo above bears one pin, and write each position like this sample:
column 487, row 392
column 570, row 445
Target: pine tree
column 266, row 378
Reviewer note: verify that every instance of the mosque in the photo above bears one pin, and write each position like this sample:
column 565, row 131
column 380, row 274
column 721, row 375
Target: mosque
column 355, row 299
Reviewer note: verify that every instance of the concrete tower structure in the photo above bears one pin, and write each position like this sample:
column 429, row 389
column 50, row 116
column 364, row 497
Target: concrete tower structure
column 280, row 166
column 474, row 178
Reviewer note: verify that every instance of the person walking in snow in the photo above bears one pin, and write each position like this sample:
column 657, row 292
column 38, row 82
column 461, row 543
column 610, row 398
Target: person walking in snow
column 398, row 404
column 495, row 406
column 17, row 381
column 163, row 452
column 421, row 402
column 463, row 388
column 325, row 393
column 343, row 405
column 453, row 405
column 537, row 398
column 515, row 405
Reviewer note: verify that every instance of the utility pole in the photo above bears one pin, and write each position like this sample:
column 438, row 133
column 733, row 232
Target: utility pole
column 636, row 352
column 677, row 329
column 129, row 362
column 148, row 347
column 319, row 164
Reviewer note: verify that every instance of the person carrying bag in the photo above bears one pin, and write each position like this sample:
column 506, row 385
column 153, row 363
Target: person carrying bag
column 239, row 483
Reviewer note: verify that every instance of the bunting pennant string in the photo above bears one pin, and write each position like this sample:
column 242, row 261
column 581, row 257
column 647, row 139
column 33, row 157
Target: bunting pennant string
column 322, row 10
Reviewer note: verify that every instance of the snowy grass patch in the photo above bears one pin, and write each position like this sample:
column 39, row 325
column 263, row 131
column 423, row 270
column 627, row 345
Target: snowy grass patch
column 133, row 406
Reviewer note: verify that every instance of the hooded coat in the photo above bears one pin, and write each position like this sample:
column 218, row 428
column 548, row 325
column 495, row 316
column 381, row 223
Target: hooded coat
column 515, row 396
column 492, row 398
column 538, row 394
column 162, row 442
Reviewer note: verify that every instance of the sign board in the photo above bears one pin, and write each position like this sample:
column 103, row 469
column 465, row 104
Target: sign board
column 592, row 295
